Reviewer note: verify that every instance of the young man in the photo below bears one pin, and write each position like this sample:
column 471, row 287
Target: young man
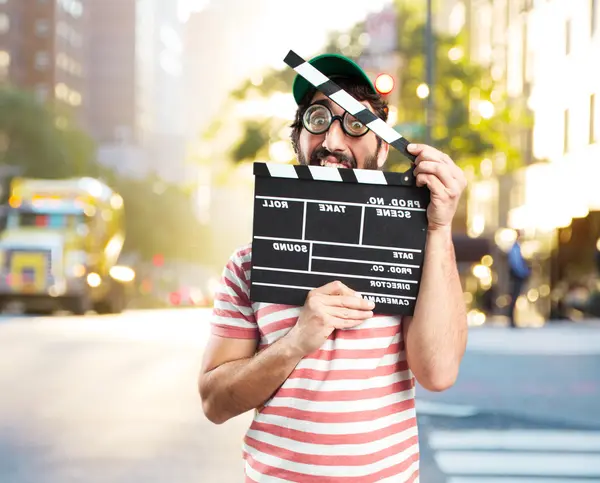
column 332, row 384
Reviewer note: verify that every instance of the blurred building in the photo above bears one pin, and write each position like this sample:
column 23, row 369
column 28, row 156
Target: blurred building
column 113, row 114
column 160, row 51
column 43, row 49
column 213, row 62
column 112, row 76
column 136, row 85
column 541, row 55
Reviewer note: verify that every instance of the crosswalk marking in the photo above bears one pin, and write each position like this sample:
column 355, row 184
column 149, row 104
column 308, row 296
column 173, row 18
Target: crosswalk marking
column 510, row 479
column 517, row 455
column 525, row 464
column 431, row 408
column 517, row 439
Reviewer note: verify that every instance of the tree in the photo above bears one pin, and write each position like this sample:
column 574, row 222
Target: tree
column 33, row 139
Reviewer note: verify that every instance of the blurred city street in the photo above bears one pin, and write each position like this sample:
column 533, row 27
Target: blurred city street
column 133, row 134
column 113, row 399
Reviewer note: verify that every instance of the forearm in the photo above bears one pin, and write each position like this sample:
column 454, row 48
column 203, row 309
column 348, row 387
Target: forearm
column 436, row 336
column 239, row 386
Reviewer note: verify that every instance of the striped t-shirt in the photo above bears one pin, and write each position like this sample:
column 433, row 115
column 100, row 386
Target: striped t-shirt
column 347, row 411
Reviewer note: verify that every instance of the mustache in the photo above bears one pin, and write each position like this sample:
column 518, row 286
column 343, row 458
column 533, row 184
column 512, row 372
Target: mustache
column 321, row 153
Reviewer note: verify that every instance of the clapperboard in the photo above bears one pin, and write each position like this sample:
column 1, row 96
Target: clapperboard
column 315, row 224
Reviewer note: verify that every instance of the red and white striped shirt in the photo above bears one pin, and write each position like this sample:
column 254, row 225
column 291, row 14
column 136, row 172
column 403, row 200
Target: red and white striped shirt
column 345, row 414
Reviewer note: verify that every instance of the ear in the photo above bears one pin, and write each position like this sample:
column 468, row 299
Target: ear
column 383, row 154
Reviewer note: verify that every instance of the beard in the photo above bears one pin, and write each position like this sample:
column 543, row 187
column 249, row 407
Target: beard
column 321, row 153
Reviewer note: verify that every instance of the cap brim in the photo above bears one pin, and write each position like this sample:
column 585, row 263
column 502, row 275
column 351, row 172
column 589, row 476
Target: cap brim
column 331, row 65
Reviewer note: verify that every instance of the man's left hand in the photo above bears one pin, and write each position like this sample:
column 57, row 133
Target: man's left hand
column 445, row 181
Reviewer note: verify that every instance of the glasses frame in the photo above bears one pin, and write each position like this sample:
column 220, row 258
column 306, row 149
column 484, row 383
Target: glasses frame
column 332, row 119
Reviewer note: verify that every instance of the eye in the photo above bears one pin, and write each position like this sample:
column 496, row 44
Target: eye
column 317, row 118
column 354, row 125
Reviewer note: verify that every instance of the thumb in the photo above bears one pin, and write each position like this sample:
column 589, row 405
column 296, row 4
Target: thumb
column 336, row 288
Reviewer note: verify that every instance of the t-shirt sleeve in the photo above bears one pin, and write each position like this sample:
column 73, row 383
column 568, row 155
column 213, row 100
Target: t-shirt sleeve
column 233, row 316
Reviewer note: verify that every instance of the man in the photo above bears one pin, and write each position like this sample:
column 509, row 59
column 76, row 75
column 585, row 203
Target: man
column 332, row 384
column 519, row 272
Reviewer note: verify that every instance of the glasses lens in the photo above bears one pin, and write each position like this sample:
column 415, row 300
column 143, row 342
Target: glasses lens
column 353, row 126
column 317, row 119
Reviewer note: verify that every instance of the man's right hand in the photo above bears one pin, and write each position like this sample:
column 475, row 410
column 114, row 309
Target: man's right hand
column 332, row 306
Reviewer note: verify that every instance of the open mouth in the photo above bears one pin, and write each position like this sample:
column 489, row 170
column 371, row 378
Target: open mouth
column 332, row 162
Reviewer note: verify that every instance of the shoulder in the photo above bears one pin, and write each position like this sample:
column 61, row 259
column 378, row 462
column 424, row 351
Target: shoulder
column 241, row 258
column 242, row 253
column 237, row 269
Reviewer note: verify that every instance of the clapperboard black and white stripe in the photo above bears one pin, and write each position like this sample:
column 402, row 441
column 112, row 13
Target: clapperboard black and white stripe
column 338, row 95
column 315, row 224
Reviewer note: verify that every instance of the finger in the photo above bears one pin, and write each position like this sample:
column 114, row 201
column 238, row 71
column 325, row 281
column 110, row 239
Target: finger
column 434, row 184
column 459, row 175
column 441, row 171
column 348, row 302
column 424, row 152
column 429, row 153
column 421, row 180
column 343, row 313
column 448, row 160
column 335, row 288
column 416, row 149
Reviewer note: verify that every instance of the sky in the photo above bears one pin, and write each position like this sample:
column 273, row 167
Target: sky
column 280, row 25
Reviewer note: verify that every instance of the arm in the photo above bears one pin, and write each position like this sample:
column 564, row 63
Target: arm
column 234, row 380
column 436, row 335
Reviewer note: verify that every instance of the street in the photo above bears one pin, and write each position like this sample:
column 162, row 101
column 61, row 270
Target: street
column 113, row 399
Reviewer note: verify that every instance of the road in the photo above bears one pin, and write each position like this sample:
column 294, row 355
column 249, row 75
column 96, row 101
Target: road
column 525, row 409
column 113, row 399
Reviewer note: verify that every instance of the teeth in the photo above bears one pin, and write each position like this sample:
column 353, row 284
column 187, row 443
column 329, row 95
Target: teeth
column 331, row 165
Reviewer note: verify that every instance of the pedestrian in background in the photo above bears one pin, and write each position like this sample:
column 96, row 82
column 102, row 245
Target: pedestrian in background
column 519, row 273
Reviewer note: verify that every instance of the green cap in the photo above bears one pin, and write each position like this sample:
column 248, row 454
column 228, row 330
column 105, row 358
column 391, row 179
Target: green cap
column 332, row 65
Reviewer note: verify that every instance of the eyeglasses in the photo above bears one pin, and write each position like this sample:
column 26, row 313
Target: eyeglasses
column 318, row 119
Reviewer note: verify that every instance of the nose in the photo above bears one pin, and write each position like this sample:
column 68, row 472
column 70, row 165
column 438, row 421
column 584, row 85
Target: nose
column 335, row 138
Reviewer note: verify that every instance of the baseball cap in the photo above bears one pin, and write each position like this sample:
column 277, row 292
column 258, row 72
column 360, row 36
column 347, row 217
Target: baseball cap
column 332, row 65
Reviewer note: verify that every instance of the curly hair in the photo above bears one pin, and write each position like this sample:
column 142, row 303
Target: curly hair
column 359, row 91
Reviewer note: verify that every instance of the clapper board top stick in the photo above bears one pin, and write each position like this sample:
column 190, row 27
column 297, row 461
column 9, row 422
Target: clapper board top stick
column 314, row 224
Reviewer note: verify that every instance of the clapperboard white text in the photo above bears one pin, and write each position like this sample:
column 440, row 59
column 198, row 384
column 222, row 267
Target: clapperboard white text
column 316, row 224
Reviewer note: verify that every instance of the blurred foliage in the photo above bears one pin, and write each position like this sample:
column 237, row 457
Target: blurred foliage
column 272, row 81
column 457, row 128
column 42, row 141
column 458, row 82
column 255, row 138
column 160, row 219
